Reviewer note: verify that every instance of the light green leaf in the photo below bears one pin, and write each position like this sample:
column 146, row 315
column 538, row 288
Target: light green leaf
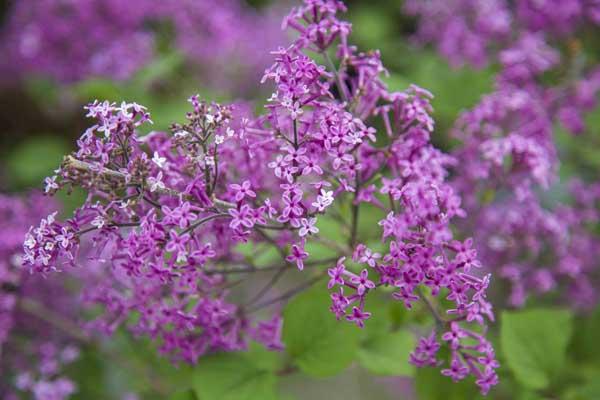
column 34, row 159
column 235, row 376
column 388, row 354
column 534, row 344
column 318, row 344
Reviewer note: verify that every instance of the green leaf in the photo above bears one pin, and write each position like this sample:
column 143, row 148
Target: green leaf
column 99, row 88
column 589, row 390
column 584, row 347
column 162, row 67
column 388, row 354
column 534, row 344
column 319, row 344
column 34, row 159
column 430, row 384
column 529, row 396
column 235, row 376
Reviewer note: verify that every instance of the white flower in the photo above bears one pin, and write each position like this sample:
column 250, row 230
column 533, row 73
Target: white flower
column 51, row 218
column 29, row 241
column 50, row 184
column 64, row 238
column 308, row 227
column 209, row 161
column 230, row 132
column 210, row 118
column 324, row 200
column 159, row 161
column 219, row 139
column 107, row 126
column 44, row 258
column 181, row 134
column 98, row 222
column 181, row 257
column 156, row 183
column 296, row 110
column 125, row 109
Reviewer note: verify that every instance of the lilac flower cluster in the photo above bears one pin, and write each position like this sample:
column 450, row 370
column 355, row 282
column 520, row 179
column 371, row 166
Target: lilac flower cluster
column 168, row 211
column 34, row 346
column 226, row 39
column 508, row 147
column 463, row 30
column 39, row 38
column 540, row 251
column 522, row 49
column 470, row 31
column 74, row 40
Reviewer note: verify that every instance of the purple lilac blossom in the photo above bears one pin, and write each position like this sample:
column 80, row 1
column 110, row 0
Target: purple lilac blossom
column 73, row 40
column 168, row 210
column 33, row 349
column 509, row 158
column 527, row 44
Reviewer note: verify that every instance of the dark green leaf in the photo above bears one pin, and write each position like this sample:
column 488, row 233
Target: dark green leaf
column 318, row 343
column 430, row 384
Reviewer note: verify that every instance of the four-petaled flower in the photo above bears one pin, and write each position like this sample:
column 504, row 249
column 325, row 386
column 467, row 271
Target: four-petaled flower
column 358, row 316
column 242, row 217
column 156, row 183
column 298, row 255
column 242, row 190
column 454, row 335
column 336, row 273
column 308, row 227
column 362, row 282
column 159, row 161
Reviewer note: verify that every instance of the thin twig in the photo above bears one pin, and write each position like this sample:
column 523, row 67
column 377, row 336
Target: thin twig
column 287, row 295
column 269, row 285
column 252, row 269
column 355, row 210
column 438, row 318
column 203, row 221
column 40, row 311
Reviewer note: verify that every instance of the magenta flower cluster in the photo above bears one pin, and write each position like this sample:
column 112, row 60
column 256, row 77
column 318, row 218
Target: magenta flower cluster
column 167, row 212
column 508, row 150
column 33, row 350
column 471, row 31
column 74, row 40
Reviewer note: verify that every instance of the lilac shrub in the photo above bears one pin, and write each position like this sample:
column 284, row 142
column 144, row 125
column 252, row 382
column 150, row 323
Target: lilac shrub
column 76, row 40
column 38, row 335
column 110, row 39
column 507, row 142
column 534, row 39
column 168, row 211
